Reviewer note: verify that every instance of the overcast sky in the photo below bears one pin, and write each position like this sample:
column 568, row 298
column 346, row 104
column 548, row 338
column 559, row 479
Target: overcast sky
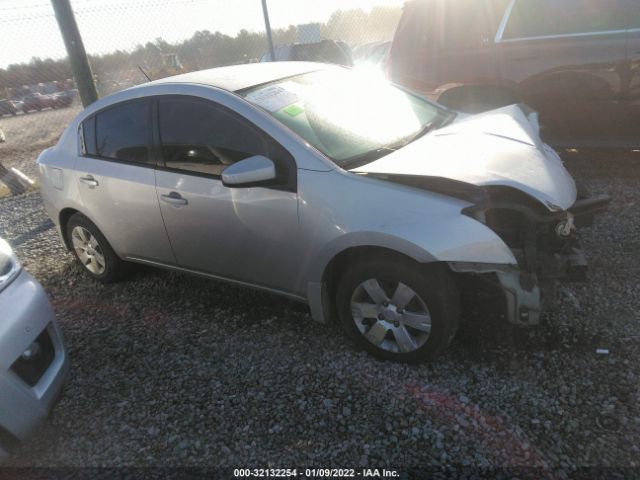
column 28, row 27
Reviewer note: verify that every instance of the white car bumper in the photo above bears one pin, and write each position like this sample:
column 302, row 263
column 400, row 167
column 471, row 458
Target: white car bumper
column 28, row 387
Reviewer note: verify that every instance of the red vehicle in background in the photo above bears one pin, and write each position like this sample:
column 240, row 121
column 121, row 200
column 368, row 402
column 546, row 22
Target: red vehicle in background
column 38, row 101
column 577, row 62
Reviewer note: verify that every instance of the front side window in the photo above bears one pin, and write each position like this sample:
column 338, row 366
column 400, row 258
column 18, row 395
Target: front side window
column 349, row 117
column 201, row 137
column 119, row 133
column 540, row 18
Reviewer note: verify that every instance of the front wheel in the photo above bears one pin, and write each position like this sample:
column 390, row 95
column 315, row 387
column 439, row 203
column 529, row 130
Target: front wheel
column 398, row 310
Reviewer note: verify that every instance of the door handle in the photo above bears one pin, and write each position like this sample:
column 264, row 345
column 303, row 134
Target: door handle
column 174, row 198
column 89, row 181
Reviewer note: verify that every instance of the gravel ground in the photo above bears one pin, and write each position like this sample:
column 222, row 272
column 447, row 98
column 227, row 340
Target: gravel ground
column 170, row 370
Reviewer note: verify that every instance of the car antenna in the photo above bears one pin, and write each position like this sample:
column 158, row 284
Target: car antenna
column 144, row 73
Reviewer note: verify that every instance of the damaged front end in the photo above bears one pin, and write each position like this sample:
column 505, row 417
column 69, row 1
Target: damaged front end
column 518, row 187
column 544, row 243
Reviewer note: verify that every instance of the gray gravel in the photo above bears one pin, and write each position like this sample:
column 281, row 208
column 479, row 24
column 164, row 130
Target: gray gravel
column 172, row 370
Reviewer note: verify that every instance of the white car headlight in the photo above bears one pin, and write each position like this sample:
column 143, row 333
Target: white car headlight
column 9, row 264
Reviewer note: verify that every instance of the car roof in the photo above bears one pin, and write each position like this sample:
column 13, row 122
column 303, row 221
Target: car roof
column 240, row 77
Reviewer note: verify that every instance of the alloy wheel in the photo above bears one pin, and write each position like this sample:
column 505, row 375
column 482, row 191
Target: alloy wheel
column 88, row 250
column 391, row 315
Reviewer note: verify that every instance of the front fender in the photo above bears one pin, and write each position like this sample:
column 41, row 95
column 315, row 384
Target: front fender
column 367, row 212
column 462, row 240
column 455, row 239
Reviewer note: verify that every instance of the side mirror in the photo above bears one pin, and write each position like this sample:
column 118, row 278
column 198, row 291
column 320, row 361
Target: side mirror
column 252, row 171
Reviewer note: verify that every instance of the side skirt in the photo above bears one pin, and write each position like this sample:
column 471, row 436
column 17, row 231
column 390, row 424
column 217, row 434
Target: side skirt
column 275, row 291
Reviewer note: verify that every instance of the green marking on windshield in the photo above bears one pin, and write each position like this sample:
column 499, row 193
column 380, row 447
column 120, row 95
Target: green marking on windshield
column 293, row 110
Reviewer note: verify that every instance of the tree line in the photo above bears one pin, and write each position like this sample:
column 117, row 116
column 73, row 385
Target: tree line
column 205, row 49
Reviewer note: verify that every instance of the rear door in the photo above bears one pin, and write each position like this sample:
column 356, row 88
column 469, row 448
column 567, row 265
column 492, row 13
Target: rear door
column 116, row 180
column 567, row 59
column 248, row 234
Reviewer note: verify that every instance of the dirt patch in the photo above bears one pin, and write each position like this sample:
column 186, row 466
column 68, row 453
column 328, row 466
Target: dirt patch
column 29, row 134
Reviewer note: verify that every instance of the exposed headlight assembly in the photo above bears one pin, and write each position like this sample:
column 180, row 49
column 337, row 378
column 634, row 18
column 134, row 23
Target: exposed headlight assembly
column 9, row 264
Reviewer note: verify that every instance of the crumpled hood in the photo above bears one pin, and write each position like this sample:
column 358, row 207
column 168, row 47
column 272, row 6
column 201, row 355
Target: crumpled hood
column 500, row 147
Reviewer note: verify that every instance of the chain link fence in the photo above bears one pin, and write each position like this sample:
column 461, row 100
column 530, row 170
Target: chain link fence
column 130, row 40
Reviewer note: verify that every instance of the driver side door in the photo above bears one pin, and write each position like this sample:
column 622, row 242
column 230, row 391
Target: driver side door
column 247, row 234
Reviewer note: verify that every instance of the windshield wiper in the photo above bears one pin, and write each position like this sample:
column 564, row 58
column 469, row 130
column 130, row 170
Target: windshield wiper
column 366, row 157
column 372, row 155
column 435, row 123
column 426, row 129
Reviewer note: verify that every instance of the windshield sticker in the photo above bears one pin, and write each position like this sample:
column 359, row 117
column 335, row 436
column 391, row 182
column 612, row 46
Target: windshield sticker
column 273, row 98
column 293, row 110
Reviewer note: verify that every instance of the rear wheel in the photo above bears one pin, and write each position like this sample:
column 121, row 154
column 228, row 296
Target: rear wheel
column 398, row 310
column 93, row 251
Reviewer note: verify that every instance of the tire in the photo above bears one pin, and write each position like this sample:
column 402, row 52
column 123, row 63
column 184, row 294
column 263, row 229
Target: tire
column 93, row 252
column 431, row 317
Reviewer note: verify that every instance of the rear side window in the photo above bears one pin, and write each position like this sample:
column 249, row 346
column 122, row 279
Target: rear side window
column 200, row 137
column 119, row 133
column 539, row 18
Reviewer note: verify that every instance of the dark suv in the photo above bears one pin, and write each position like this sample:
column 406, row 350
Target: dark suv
column 577, row 62
column 326, row 51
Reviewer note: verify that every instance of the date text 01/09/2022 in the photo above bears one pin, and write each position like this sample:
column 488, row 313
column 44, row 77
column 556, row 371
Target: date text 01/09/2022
column 314, row 473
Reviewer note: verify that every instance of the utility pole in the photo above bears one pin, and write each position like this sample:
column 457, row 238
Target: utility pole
column 75, row 49
column 267, row 25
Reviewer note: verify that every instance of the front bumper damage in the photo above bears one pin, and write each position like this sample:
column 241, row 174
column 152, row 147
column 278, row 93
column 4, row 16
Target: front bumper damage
column 546, row 248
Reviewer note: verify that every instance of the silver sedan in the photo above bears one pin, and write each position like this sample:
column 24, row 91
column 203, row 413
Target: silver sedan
column 324, row 185
column 33, row 359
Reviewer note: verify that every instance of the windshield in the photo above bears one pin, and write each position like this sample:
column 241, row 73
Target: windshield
column 346, row 115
